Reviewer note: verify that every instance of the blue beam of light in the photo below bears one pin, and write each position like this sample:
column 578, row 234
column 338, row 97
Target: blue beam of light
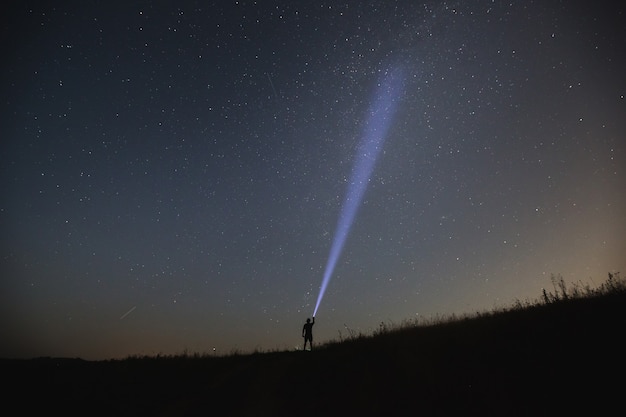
column 375, row 131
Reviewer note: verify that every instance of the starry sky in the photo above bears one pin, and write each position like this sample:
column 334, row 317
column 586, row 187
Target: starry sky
column 173, row 172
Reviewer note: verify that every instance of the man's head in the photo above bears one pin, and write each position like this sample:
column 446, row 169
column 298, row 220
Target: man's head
column 308, row 320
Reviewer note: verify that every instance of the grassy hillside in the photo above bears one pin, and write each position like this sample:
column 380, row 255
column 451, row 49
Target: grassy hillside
column 563, row 355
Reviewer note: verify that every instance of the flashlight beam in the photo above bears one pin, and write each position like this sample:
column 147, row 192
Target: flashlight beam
column 374, row 135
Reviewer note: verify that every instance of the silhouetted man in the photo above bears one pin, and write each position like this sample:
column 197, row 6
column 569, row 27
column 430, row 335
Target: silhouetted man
column 307, row 332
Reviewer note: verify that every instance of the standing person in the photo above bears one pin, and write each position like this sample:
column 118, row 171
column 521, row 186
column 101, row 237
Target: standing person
column 307, row 332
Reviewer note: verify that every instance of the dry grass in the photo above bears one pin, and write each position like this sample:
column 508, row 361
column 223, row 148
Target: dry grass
column 558, row 355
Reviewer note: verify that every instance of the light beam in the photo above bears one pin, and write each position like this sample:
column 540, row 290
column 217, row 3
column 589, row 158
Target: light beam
column 374, row 134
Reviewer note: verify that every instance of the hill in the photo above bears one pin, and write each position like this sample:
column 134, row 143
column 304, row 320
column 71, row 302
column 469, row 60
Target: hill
column 561, row 357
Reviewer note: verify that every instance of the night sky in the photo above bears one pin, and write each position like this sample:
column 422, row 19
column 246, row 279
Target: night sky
column 173, row 172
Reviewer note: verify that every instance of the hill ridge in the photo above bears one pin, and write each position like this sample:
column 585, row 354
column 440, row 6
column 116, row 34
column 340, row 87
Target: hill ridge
column 561, row 357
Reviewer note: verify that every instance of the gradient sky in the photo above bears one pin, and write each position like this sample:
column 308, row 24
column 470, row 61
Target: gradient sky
column 172, row 172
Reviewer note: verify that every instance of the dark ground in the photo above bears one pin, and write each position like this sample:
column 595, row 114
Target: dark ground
column 562, row 358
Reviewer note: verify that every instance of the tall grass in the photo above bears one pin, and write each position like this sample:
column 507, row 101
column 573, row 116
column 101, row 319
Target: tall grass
column 561, row 292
